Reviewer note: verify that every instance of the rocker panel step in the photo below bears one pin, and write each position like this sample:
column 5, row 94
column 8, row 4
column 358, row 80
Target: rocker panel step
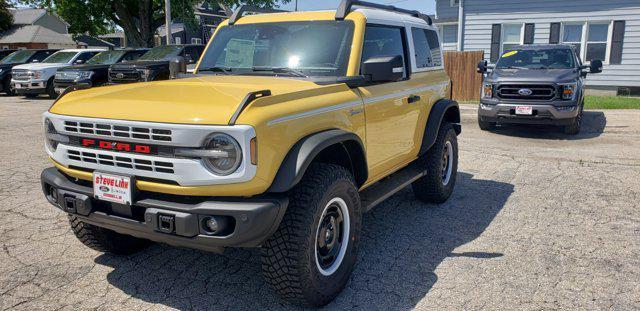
column 385, row 188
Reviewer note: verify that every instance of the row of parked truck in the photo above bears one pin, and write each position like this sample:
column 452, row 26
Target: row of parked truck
column 47, row 71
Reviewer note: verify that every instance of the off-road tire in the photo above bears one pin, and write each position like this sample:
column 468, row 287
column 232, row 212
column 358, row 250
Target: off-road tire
column 576, row 124
column 486, row 126
column 105, row 240
column 432, row 188
column 51, row 90
column 6, row 87
column 289, row 260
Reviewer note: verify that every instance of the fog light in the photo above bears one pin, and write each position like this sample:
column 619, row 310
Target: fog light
column 211, row 225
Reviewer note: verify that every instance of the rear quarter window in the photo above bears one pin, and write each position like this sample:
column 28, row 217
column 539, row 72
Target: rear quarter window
column 427, row 48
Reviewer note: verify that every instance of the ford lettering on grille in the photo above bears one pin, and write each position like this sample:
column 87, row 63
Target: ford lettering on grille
column 116, row 146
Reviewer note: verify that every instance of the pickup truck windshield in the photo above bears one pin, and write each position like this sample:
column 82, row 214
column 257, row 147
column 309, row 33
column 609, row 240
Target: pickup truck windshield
column 106, row 58
column 165, row 52
column 318, row 48
column 17, row 57
column 537, row 59
column 60, row 57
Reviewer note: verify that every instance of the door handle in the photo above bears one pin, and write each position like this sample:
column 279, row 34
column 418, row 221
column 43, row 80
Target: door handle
column 413, row 98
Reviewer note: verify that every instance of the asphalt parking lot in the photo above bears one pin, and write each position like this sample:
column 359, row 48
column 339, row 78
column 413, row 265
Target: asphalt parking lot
column 538, row 220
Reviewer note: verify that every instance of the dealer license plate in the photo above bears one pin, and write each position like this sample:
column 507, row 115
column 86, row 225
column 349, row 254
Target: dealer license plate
column 112, row 188
column 524, row 110
column 17, row 86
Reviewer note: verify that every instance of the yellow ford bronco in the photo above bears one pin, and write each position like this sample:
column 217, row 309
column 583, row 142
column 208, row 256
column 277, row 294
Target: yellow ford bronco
column 292, row 127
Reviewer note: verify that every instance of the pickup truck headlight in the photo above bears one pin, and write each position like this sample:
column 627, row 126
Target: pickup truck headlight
column 569, row 90
column 221, row 154
column 144, row 74
column 487, row 90
column 35, row 74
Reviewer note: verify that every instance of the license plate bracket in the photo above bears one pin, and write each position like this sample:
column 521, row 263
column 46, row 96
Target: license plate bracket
column 524, row 110
column 113, row 188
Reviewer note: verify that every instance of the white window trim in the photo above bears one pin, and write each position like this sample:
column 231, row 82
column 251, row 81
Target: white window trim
column 196, row 41
column 585, row 38
column 177, row 40
column 502, row 42
column 441, row 32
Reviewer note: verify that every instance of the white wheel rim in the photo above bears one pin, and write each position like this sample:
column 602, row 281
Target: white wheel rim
column 344, row 239
column 448, row 157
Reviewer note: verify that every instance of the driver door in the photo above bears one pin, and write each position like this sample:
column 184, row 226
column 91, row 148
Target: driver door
column 391, row 109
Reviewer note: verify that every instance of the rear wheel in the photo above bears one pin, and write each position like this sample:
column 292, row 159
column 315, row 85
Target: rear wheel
column 441, row 164
column 105, row 240
column 309, row 259
column 576, row 124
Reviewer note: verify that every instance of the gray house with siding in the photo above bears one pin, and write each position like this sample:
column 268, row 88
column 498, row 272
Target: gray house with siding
column 606, row 30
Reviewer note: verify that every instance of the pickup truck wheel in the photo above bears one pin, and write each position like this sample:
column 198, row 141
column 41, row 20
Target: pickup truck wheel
column 486, row 126
column 441, row 163
column 576, row 124
column 105, row 240
column 6, row 87
column 309, row 259
column 51, row 91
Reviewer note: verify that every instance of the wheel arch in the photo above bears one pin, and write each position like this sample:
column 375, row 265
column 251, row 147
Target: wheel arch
column 332, row 146
column 443, row 110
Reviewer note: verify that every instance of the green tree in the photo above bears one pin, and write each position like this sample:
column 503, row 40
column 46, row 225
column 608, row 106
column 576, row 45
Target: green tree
column 139, row 19
column 6, row 18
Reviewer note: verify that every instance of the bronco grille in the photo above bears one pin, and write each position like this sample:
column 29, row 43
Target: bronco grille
column 124, row 76
column 120, row 161
column 519, row 92
column 118, row 131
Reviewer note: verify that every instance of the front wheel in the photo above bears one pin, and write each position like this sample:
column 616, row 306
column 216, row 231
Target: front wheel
column 51, row 90
column 576, row 124
column 309, row 259
column 105, row 240
column 7, row 88
column 441, row 165
column 486, row 126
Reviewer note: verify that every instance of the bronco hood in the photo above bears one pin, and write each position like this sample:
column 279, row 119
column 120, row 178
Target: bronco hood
column 208, row 100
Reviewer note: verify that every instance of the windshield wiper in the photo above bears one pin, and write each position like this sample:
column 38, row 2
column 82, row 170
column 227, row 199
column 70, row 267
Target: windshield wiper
column 223, row 69
column 513, row 67
column 281, row 70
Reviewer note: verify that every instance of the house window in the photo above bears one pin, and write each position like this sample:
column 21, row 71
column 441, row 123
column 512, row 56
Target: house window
column 597, row 39
column 454, row 3
column 449, row 33
column 572, row 35
column 511, row 36
column 196, row 41
column 177, row 40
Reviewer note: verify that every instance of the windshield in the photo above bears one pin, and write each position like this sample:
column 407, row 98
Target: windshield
column 537, row 59
column 60, row 57
column 165, row 52
column 18, row 57
column 319, row 48
column 106, row 58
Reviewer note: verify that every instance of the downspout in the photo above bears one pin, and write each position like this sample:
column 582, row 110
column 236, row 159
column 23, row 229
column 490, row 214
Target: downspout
column 460, row 25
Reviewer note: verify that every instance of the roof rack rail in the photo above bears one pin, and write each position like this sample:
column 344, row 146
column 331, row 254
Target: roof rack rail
column 237, row 14
column 345, row 8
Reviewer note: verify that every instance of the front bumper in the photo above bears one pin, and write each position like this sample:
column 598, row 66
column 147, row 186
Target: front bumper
column 253, row 219
column 60, row 85
column 29, row 86
column 552, row 113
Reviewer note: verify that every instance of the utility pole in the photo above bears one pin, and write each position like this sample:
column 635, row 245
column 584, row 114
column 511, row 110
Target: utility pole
column 167, row 20
column 296, row 8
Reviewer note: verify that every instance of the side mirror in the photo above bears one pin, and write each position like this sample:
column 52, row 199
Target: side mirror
column 383, row 69
column 78, row 62
column 177, row 66
column 483, row 66
column 595, row 66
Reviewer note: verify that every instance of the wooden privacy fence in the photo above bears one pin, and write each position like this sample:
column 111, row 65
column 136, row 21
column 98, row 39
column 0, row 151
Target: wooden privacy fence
column 465, row 80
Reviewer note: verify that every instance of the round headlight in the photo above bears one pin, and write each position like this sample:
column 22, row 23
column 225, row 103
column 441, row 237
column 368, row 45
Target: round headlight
column 50, row 130
column 228, row 156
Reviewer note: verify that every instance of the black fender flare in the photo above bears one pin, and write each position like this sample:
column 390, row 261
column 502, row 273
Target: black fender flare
column 301, row 155
column 444, row 108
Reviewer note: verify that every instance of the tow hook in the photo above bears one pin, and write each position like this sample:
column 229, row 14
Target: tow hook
column 166, row 223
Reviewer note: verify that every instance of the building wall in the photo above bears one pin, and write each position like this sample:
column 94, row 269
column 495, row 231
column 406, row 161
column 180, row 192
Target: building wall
column 53, row 23
column 481, row 14
column 444, row 9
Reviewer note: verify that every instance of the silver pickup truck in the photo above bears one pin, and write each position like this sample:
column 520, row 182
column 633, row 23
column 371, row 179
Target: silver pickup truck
column 535, row 84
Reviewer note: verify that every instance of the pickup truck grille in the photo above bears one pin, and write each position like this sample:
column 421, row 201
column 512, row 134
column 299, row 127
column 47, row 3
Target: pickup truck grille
column 537, row 92
column 21, row 75
column 124, row 76
column 121, row 161
column 118, row 131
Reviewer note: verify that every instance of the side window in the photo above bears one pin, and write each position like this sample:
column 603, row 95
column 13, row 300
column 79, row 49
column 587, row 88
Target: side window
column 130, row 56
column 84, row 57
column 40, row 56
column 384, row 41
column 427, row 47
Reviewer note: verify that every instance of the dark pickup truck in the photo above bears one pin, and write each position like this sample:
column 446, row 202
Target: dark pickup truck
column 154, row 65
column 95, row 72
column 15, row 59
column 535, row 84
